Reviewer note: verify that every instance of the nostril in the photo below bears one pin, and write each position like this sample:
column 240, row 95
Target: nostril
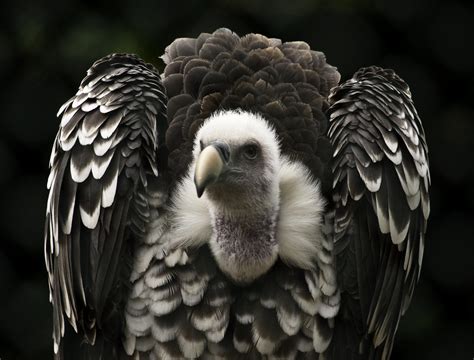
column 223, row 149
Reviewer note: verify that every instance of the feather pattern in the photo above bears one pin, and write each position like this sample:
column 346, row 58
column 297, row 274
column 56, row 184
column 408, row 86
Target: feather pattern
column 178, row 286
column 119, row 272
column 267, row 317
column 287, row 82
column 93, row 195
column 381, row 183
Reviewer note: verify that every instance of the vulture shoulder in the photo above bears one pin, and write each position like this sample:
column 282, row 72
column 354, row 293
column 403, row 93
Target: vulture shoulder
column 380, row 193
column 103, row 166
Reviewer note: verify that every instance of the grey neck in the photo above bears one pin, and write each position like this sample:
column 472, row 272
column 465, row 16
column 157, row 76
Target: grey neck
column 245, row 232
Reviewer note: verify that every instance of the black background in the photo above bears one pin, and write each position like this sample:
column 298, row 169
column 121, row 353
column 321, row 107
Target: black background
column 45, row 49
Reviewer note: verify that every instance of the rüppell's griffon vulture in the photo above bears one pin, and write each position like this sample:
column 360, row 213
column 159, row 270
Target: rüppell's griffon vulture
column 243, row 204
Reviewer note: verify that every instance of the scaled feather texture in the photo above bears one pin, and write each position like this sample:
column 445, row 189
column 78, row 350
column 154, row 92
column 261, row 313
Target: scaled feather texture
column 315, row 256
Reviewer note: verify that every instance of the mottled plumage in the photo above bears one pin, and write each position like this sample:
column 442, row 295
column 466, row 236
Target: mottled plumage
column 381, row 182
column 104, row 151
column 242, row 209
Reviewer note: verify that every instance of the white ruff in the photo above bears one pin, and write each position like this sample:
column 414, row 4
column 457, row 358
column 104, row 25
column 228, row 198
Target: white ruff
column 191, row 220
column 299, row 228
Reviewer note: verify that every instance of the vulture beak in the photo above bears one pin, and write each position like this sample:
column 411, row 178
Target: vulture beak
column 209, row 165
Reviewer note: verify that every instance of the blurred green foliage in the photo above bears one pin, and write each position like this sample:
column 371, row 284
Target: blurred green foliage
column 46, row 47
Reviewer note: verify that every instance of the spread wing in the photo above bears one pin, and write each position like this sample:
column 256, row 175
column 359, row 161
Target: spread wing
column 103, row 159
column 381, row 181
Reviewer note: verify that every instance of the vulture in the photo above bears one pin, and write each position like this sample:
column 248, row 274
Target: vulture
column 243, row 204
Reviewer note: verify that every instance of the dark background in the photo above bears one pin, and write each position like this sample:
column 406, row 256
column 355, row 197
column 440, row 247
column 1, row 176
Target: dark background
column 45, row 49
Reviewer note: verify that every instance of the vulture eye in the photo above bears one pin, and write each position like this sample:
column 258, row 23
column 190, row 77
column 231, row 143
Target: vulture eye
column 251, row 151
column 201, row 145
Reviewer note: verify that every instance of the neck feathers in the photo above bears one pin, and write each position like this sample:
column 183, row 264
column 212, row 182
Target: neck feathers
column 289, row 227
column 245, row 245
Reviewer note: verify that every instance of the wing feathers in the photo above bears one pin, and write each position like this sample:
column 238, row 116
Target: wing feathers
column 381, row 182
column 91, row 196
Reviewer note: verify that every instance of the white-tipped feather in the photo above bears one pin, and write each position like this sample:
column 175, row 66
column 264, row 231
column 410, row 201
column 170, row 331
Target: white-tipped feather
column 215, row 320
column 109, row 127
column 162, row 292
column 67, row 116
column 90, row 219
column 104, row 109
column 191, row 348
column 101, row 146
column 194, row 287
column 382, row 219
column 173, row 257
column 68, row 143
column 164, row 333
column 108, row 192
column 138, row 288
column 264, row 346
column 191, row 299
column 391, row 141
column 51, row 177
column 320, row 342
column 165, row 306
column 139, row 325
column 85, row 139
column 158, row 276
column 245, row 318
column 69, row 216
column 89, row 106
column 396, row 157
column 79, row 175
column 414, row 201
column 100, row 164
column 397, row 235
column 216, row 335
column 143, row 257
column 268, row 302
column 412, row 182
column 290, row 322
column 312, row 281
column 241, row 346
column 328, row 310
column 309, row 306
column 136, row 307
column 372, row 185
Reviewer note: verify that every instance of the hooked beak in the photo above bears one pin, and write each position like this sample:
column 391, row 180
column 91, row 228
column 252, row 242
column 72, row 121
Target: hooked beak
column 209, row 165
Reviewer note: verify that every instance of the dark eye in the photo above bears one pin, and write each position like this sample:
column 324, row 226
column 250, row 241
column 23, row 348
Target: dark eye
column 251, row 151
column 201, row 145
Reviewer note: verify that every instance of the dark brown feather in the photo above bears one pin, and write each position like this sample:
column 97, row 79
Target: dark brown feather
column 234, row 67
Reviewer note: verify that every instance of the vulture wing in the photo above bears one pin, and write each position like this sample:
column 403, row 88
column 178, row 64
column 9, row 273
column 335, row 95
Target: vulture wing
column 102, row 165
column 381, row 181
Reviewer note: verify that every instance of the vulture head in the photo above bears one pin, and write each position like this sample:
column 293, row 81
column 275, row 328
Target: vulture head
column 236, row 172
column 251, row 203
column 237, row 159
